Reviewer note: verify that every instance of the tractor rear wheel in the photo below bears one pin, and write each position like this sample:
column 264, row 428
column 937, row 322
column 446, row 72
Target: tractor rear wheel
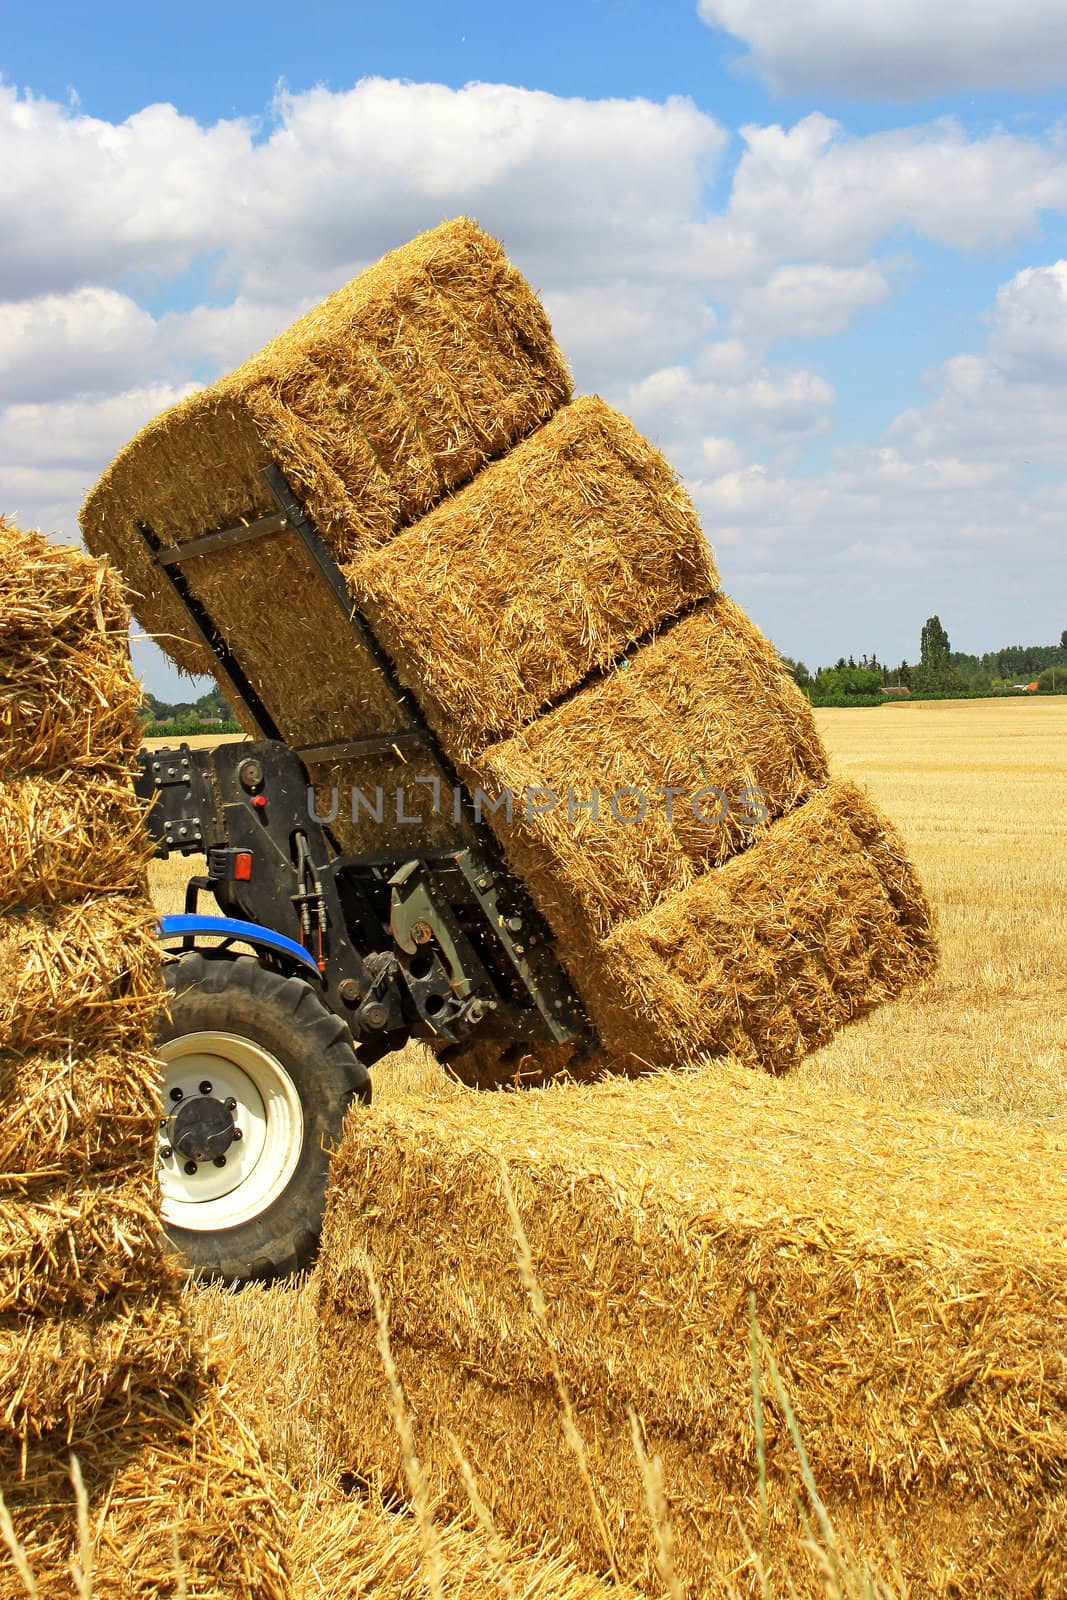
column 258, row 1077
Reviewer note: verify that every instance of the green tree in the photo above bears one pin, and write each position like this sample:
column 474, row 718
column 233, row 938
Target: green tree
column 934, row 648
column 796, row 670
column 845, row 685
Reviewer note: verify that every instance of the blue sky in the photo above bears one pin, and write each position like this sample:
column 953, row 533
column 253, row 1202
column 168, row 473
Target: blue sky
column 817, row 253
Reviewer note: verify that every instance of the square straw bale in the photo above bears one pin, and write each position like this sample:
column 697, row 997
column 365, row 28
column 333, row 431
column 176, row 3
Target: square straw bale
column 68, row 696
column 704, row 704
column 57, row 1373
column 180, row 1502
column 295, row 644
column 547, row 566
column 822, row 919
column 76, row 1115
column 909, row 1273
column 345, row 1546
column 378, row 795
column 65, row 836
column 84, row 976
column 73, row 1246
column 377, row 402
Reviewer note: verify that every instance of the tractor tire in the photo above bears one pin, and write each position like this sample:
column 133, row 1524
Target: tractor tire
column 258, row 1077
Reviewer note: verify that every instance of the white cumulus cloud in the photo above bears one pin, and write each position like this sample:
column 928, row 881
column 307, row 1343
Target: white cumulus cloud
column 899, row 49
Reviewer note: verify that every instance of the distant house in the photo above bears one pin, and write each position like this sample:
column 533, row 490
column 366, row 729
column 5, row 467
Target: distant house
column 896, row 691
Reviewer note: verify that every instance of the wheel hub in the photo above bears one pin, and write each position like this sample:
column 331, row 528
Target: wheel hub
column 230, row 1132
column 202, row 1129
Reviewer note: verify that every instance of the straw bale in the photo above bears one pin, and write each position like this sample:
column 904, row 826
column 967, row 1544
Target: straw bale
column 392, row 392
column 66, row 837
column 345, row 1548
column 909, row 1270
column 74, row 1114
column 57, row 1372
column 301, row 656
column 76, row 1244
column 179, row 1502
column 822, row 919
column 705, row 704
column 387, row 804
column 68, row 696
column 552, row 562
column 80, row 976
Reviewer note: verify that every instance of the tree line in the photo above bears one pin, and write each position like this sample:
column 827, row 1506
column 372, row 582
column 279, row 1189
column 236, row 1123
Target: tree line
column 208, row 714
column 939, row 673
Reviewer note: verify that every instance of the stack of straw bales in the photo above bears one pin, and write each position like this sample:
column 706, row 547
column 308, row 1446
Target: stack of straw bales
column 95, row 1354
column 540, row 582
column 909, row 1274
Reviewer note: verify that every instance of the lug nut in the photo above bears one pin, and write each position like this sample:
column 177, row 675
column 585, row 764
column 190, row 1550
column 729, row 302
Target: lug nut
column 162, row 1123
column 220, row 1161
column 190, row 1168
column 237, row 1133
column 231, row 1104
column 175, row 1094
column 205, row 1087
column 166, row 1152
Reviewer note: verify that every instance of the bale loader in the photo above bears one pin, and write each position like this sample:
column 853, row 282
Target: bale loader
column 315, row 962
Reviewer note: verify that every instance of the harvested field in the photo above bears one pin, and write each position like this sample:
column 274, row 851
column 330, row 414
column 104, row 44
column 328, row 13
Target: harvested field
column 546, row 567
column 390, row 394
column 976, row 789
column 913, row 1303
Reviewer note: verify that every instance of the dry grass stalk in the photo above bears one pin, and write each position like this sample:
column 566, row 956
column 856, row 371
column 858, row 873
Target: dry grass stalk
column 384, row 398
column 16, row 1551
column 545, row 568
column 910, row 1271
column 484, row 1517
column 571, row 1431
column 658, row 1513
column 412, row 1470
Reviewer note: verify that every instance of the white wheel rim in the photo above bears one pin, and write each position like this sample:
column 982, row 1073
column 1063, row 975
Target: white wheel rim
column 258, row 1166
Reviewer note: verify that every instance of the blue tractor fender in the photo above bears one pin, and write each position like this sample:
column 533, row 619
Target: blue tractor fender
column 182, row 925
